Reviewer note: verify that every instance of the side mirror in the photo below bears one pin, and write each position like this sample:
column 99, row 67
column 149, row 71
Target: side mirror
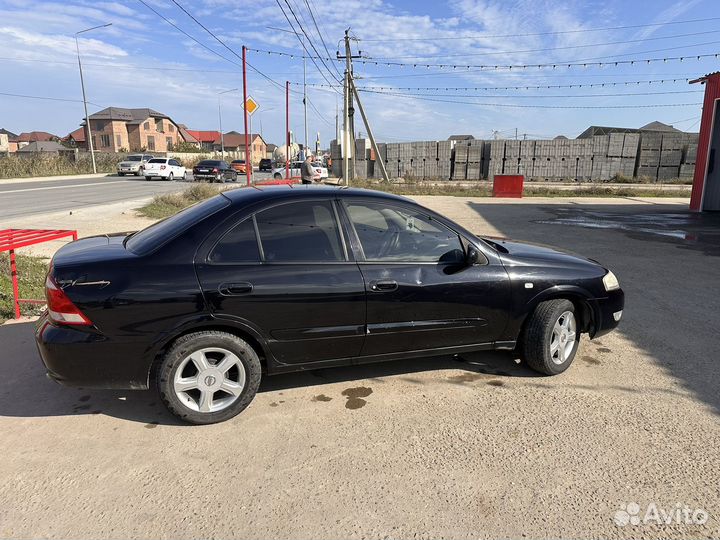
column 473, row 256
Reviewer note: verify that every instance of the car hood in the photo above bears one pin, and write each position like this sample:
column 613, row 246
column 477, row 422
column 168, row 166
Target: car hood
column 513, row 252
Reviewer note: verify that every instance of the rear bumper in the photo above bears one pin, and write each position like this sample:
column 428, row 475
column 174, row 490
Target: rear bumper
column 608, row 312
column 80, row 357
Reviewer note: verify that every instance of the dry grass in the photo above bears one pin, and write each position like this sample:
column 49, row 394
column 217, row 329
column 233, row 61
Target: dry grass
column 23, row 167
column 31, row 275
column 166, row 205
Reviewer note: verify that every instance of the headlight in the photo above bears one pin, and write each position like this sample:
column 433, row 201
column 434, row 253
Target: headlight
column 610, row 282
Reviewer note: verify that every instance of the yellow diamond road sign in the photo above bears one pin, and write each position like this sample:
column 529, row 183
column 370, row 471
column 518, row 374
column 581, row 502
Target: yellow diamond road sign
column 251, row 105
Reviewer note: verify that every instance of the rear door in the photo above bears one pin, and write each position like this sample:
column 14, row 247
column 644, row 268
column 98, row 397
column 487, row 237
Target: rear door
column 286, row 272
column 420, row 292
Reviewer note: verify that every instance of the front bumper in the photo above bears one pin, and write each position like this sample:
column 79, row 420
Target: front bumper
column 608, row 313
column 85, row 358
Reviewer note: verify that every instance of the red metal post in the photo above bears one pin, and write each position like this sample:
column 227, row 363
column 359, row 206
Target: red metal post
column 15, row 287
column 712, row 93
column 287, row 130
column 248, row 157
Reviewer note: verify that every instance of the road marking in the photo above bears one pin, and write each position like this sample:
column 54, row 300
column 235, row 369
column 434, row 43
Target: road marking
column 70, row 186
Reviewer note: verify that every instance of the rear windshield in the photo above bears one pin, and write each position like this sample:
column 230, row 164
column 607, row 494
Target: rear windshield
column 239, row 161
column 157, row 160
column 154, row 236
column 209, row 163
column 134, row 158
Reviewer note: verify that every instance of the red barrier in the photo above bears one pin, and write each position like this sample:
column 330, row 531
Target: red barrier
column 508, row 185
column 12, row 239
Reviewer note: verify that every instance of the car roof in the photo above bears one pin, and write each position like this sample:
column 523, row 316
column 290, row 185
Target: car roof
column 258, row 193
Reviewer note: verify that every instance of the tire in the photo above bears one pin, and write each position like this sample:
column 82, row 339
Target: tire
column 141, row 171
column 177, row 370
column 121, row 174
column 277, row 176
column 551, row 337
column 148, row 178
column 171, row 177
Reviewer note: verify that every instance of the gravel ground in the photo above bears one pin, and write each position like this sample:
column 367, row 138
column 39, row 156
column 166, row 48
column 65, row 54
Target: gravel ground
column 477, row 447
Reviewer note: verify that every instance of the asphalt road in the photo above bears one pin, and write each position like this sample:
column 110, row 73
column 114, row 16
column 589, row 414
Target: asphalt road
column 44, row 196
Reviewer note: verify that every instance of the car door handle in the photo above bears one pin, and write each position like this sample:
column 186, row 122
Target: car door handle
column 383, row 285
column 235, row 289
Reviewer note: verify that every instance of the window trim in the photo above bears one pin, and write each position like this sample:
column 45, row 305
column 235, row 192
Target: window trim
column 464, row 242
column 348, row 258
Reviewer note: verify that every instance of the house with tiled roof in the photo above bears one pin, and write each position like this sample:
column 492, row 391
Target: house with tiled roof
column 116, row 128
column 205, row 139
column 234, row 142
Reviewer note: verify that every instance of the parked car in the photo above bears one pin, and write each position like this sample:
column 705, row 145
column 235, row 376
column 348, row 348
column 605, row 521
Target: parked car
column 165, row 168
column 238, row 165
column 215, row 170
column 133, row 164
column 265, row 165
column 269, row 280
column 295, row 170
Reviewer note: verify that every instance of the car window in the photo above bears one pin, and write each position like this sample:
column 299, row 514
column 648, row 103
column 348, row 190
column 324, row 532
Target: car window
column 148, row 157
column 301, row 231
column 208, row 163
column 152, row 237
column 133, row 158
column 388, row 233
column 175, row 162
column 158, row 160
column 239, row 245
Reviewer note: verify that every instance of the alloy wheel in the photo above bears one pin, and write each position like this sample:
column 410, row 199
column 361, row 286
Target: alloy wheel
column 209, row 380
column 563, row 341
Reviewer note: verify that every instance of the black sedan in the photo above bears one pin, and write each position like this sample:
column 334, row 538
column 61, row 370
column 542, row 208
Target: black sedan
column 215, row 170
column 258, row 281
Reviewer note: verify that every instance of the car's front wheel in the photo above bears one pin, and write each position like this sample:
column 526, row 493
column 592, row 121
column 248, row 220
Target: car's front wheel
column 277, row 176
column 208, row 377
column 551, row 337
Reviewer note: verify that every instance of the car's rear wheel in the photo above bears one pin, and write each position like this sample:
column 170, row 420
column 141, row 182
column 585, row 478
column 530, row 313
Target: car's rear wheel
column 148, row 178
column 171, row 177
column 208, row 377
column 277, row 176
column 551, row 337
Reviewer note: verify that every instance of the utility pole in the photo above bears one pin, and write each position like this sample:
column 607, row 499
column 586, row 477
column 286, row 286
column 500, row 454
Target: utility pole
column 516, row 134
column 378, row 158
column 287, row 130
column 348, row 111
column 88, row 131
column 248, row 157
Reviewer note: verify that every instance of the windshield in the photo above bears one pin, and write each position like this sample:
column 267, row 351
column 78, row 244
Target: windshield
column 134, row 158
column 154, row 236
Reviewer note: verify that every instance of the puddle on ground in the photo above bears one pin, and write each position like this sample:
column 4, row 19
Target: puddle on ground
column 591, row 360
column 321, row 397
column 691, row 230
column 354, row 396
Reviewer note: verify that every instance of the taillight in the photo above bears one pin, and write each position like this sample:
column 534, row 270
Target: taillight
column 60, row 307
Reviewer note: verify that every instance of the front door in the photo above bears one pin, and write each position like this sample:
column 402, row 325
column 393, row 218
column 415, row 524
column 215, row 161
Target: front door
column 420, row 292
column 285, row 271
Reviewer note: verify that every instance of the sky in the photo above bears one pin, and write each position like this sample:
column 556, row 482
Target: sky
column 141, row 60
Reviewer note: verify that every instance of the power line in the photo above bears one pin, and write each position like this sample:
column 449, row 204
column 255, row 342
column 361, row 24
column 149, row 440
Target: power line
column 302, row 43
column 550, row 48
column 213, row 51
column 118, row 66
column 322, row 39
column 553, row 65
column 47, row 98
column 426, row 98
column 221, row 42
column 520, row 87
column 576, row 96
column 560, row 32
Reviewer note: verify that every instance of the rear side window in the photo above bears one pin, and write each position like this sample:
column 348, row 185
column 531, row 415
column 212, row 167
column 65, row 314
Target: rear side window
column 154, row 236
column 237, row 246
column 157, row 160
column 301, row 231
